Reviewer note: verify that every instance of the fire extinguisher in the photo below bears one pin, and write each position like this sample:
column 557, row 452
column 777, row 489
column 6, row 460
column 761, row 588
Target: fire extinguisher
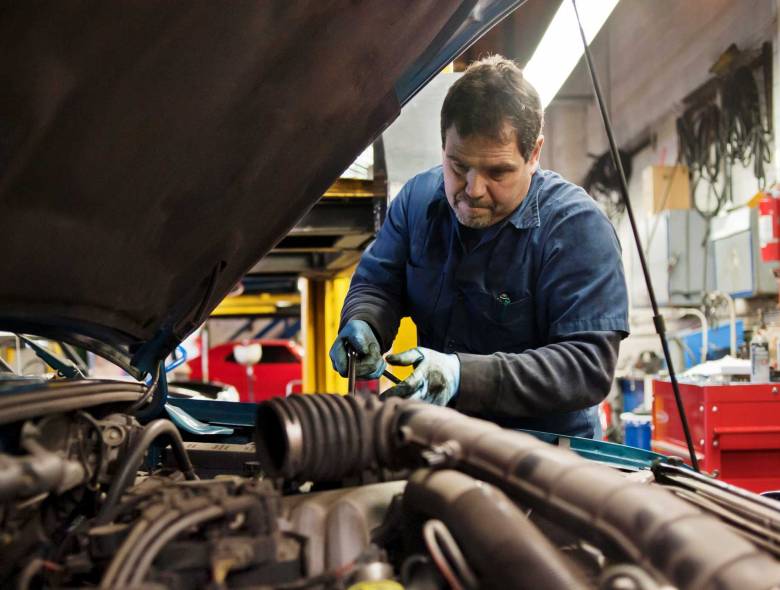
column 769, row 225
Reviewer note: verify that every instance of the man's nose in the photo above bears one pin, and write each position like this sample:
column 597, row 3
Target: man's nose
column 475, row 184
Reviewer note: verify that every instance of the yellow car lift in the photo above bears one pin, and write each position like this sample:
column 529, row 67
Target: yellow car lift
column 322, row 300
column 351, row 188
column 256, row 305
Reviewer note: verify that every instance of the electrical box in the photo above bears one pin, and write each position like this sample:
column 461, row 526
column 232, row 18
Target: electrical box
column 739, row 270
column 666, row 187
column 676, row 255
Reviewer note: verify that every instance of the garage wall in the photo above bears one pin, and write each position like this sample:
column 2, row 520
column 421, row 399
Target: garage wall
column 660, row 50
column 649, row 56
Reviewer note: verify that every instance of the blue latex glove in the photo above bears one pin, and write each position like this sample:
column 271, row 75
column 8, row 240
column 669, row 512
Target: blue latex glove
column 435, row 379
column 359, row 334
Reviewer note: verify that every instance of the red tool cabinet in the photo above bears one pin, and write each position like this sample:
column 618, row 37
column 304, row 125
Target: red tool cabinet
column 735, row 430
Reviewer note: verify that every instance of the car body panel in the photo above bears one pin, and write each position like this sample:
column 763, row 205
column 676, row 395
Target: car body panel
column 278, row 372
column 243, row 415
column 151, row 154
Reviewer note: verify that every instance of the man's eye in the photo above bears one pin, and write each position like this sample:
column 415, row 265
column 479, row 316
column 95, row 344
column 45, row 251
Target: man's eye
column 458, row 167
column 498, row 175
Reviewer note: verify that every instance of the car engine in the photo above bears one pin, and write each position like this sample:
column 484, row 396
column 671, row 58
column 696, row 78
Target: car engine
column 348, row 492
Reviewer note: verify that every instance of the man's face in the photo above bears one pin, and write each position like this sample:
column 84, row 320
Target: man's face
column 485, row 180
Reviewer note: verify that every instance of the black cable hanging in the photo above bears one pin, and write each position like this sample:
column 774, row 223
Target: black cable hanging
column 658, row 319
column 727, row 122
column 602, row 183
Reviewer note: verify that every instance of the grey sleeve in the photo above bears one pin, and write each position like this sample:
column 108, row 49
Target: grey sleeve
column 572, row 373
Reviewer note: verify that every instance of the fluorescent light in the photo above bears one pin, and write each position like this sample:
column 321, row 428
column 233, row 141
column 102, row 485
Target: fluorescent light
column 561, row 47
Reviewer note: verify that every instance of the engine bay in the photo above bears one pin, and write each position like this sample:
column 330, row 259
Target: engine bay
column 349, row 492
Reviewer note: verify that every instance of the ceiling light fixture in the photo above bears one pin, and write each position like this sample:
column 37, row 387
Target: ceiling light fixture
column 561, row 47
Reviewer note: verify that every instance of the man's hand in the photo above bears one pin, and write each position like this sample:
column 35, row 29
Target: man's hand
column 360, row 336
column 435, row 379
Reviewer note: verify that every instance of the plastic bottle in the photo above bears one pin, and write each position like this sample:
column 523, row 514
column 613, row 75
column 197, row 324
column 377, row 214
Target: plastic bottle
column 759, row 357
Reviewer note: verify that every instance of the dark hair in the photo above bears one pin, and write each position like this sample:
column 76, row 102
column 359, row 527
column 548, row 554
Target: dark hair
column 491, row 93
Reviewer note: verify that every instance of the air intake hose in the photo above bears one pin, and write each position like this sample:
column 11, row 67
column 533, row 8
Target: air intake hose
column 321, row 436
column 501, row 544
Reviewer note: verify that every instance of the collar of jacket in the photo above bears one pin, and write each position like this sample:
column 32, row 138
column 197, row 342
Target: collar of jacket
column 525, row 216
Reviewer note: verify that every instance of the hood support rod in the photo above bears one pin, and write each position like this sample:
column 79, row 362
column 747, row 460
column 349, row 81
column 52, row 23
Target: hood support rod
column 658, row 319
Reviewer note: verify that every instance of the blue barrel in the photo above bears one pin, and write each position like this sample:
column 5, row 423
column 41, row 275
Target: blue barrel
column 637, row 430
column 633, row 391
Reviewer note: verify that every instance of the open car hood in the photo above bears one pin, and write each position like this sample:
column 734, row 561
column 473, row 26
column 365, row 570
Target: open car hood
column 151, row 153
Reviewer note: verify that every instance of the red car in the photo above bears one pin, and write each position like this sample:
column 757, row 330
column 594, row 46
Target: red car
column 278, row 373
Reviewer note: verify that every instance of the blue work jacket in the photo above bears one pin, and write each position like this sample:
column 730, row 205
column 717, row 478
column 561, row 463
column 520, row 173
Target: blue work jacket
column 549, row 270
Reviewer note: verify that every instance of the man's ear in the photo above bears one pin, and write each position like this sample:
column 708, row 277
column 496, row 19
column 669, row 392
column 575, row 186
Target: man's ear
column 537, row 150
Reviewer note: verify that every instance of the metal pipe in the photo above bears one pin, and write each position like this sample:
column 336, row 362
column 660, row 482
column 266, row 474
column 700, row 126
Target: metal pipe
column 732, row 321
column 170, row 533
column 42, row 471
column 125, row 476
column 447, row 556
column 153, row 521
column 18, row 354
column 705, row 328
column 119, row 558
column 204, row 353
column 351, row 368
column 228, row 506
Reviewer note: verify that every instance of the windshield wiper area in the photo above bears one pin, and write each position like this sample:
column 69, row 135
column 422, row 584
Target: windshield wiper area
column 64, row 367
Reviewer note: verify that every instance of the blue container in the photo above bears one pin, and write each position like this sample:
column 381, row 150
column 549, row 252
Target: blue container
column 633, row 391
column 637, row 430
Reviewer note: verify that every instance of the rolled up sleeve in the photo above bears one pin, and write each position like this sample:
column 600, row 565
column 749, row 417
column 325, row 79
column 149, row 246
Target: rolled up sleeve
column 581, row 286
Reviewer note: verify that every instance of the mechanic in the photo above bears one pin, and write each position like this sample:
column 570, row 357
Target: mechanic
column 512, row 275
